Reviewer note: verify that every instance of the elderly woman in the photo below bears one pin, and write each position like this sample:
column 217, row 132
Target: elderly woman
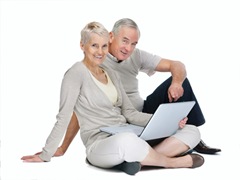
column 95, row 94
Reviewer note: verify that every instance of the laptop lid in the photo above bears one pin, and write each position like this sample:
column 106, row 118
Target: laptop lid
column 165, row 120
column 163, row 123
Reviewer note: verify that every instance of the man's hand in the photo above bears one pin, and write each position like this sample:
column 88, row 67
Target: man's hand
column 59, row 152
column 175, row 91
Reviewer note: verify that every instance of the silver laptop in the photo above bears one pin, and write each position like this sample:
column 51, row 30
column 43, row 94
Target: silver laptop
column 163, row 123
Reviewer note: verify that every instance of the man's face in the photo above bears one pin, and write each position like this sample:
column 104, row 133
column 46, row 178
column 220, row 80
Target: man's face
column 122, row 44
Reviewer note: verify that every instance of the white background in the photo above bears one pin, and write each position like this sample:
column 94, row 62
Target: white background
column 40, row 41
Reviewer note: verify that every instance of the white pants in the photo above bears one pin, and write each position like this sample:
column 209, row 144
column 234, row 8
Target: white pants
column 127, row 146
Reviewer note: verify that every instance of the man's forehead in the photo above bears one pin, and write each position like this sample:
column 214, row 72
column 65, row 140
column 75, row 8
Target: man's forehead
column 129, row 33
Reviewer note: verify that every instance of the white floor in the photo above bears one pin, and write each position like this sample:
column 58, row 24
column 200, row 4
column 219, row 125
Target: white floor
column 40, row 40
column 72, row 166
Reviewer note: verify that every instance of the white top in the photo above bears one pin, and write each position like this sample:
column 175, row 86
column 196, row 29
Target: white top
column 109, row 89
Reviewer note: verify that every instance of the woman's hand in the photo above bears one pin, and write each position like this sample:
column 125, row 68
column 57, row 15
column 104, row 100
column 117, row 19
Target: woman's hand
column 36, row 158
column 32, row 158
column 183, row 122
column 58, row 153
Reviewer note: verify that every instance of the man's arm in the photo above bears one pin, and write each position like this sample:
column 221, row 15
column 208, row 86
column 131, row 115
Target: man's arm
column 71, row 132
column 178, row 71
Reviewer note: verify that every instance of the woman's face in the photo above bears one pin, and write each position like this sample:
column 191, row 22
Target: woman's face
column 95, row 49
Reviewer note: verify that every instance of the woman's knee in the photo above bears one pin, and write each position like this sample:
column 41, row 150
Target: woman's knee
column 195, row 135
column 131, row 147
column 189, row 135
column 125, row 138
column 194, row 131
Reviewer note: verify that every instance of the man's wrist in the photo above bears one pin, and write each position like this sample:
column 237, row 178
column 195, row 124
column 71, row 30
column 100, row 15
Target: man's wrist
column 62, row 150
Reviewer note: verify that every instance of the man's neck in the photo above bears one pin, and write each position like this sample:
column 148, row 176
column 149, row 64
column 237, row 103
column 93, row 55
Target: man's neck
column 114, row 58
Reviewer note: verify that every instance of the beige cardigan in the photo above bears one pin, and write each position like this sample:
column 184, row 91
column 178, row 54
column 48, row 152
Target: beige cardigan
column 80, row 94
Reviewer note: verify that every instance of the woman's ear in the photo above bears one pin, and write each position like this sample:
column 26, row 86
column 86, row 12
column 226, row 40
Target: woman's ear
column 81, row 45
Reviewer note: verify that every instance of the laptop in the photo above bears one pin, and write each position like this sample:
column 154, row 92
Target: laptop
column 163, row 123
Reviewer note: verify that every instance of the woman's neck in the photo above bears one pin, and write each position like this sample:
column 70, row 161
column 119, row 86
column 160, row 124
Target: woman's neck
column 96, row 71
column 94, row 68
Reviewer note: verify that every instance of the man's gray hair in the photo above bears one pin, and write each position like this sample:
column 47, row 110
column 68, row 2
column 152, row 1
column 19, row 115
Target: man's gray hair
column 125, row 22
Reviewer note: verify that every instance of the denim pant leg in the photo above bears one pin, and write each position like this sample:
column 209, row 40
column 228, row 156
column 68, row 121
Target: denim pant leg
column 160, row 95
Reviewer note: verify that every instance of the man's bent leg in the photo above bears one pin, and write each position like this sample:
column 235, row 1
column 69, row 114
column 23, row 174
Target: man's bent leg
column 195, row 117
column 160, row 95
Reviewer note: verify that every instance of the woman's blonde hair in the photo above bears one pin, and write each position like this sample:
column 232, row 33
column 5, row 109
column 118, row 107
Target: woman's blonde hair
column 93, row 27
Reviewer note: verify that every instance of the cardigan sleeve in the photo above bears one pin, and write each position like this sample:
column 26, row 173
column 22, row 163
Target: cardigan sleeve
column 132, row 115
column 70, row 89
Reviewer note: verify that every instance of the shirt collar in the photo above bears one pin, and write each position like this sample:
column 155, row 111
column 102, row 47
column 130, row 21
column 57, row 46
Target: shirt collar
column 113, row 58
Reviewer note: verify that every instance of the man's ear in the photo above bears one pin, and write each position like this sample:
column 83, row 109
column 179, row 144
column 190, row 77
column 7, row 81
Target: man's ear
column 111, row 37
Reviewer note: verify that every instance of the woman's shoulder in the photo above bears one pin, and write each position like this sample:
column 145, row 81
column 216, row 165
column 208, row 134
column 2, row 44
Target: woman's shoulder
column 111, row 72
column 77, row 67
